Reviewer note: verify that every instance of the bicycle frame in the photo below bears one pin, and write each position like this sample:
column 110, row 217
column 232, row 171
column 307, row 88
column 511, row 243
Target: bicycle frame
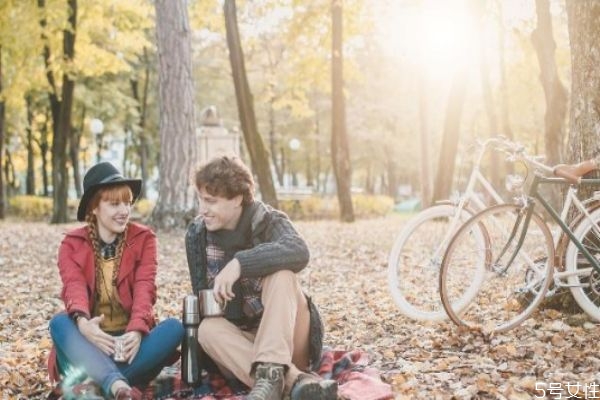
column 469, row 196
column 533, row 195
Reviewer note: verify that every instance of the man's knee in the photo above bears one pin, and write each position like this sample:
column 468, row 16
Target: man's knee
column 284, row 275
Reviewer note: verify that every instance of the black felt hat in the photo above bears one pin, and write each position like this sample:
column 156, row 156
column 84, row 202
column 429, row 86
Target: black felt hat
column 101, row 175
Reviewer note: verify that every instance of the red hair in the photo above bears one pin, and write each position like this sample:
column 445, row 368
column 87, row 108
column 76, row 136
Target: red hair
column 116, row 193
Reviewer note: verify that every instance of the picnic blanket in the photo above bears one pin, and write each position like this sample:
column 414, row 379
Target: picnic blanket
column 356, row 380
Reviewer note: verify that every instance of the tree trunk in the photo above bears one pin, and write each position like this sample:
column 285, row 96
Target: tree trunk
column 554, row 91
column 61, row 112
column 30, row 179
column 142, row 104
column 309, row 170
column 2, row 196
column 9, row 174
column 584, row 119
column 369, row 184
column 74, row 148
column 60, row 177
column 504, row 108
column 259, row 156
column 340, row 154
column 486, row 88
column 392, row 173
column 445, row 169
column 425, row 144
column 584, row 129
column 318, row 152
column 273, row 142
column 44, row 147
column 178, row 153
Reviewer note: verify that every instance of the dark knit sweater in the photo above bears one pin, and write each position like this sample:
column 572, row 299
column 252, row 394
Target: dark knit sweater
column 276, row 245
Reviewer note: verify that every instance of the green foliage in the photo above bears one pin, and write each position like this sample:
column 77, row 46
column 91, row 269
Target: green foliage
column 30, row 208
column 315, row 207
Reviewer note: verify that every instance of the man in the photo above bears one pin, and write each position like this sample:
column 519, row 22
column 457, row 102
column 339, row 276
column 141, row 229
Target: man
column 248, row 253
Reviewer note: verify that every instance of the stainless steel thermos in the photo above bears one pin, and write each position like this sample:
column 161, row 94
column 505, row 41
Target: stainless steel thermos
column 190, row 362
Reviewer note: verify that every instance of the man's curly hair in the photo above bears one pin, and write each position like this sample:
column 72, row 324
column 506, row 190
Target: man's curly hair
column 226, row 176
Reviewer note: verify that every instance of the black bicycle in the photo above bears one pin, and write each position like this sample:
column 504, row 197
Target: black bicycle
column 503, row 259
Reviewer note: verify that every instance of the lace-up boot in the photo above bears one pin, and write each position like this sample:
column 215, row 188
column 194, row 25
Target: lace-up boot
column 268, row 382
column 310, row 387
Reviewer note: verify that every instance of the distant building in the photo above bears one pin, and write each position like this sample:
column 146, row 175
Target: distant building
column 213, row 138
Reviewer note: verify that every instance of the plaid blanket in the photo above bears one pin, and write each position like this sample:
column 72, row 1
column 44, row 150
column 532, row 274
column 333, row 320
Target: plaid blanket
column 357, row 381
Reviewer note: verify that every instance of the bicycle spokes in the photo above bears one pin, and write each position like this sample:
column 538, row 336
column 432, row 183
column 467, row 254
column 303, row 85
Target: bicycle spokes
column 492, row 276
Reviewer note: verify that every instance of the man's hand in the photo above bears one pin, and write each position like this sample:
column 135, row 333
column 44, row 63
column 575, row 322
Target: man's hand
column 224, row 281
column 131, row 344
column 90, row 329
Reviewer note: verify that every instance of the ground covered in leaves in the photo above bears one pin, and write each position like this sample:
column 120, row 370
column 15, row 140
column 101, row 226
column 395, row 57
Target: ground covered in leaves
column 552, row 355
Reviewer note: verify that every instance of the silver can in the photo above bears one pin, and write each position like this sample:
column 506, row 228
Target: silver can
column 119, row 355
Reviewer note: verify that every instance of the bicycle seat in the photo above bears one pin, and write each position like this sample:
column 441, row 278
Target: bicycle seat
column 574, row 172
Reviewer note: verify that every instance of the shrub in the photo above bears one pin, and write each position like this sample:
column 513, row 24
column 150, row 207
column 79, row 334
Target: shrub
column 316, row 207
column 142, row 209
column 371, row 206
column 30, row 208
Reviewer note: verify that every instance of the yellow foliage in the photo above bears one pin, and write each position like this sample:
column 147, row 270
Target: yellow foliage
column 36, row 208
column 30, row 208
column 371, row 206
column 315, row 207
column 142, row 208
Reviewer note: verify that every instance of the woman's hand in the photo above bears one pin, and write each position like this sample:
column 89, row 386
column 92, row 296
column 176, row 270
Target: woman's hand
column 131, row 344
column 90, row 329
column 224, row 281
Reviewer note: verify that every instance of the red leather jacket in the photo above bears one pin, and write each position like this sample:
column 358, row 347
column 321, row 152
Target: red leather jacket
column 135, row 283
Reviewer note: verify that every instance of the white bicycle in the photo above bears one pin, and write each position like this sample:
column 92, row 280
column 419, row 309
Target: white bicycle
column 415, row 259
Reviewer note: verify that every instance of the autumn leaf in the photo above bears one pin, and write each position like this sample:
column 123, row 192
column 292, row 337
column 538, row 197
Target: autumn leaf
column 347, row 279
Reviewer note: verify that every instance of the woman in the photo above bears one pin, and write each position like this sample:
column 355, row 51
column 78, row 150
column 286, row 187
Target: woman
column 108, row 268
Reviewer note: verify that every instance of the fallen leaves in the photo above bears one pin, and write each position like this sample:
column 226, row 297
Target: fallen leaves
column 347, row 280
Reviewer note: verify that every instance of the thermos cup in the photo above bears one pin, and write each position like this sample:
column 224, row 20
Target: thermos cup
column 209, row 307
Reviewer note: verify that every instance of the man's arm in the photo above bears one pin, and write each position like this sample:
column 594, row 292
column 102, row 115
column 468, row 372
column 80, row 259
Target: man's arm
column 282, row 248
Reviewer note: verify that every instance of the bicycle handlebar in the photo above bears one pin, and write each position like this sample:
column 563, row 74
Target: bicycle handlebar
column 515, row 151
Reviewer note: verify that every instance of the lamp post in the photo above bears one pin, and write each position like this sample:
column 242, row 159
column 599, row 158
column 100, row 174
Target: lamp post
column 97, row 128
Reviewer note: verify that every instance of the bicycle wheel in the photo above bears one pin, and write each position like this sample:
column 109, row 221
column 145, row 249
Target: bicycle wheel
column 583, row 280
column 414, row 262
column 479, row 286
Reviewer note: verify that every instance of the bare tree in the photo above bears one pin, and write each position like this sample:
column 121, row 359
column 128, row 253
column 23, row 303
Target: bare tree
column 425, row 143
column 61, row 108
column 30, row 180
column 259, row 156
column 445, row 168
column 554, row 91
column 74, row 146
column 177, row 121
column 340, row 153
column 142, row 106
column 486, row 88
column 504, row 109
